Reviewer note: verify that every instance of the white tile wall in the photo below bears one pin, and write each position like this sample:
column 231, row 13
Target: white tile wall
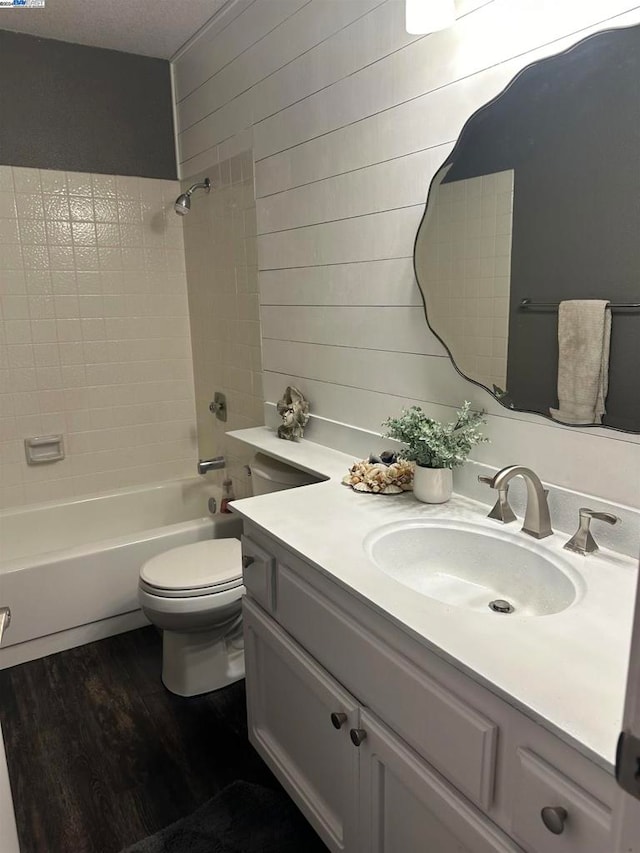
column 465, row 259
column 94, row 333
column 350, row 119
column 222, row 275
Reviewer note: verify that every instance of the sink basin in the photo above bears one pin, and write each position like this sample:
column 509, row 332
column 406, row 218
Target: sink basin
column 470, row 566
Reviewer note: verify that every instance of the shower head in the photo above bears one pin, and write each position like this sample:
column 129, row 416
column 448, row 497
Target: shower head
column 182, row 204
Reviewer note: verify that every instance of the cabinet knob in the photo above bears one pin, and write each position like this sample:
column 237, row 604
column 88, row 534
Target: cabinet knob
column 247, row 561
column 337, row 719
column 357, row 736
column 554, row 818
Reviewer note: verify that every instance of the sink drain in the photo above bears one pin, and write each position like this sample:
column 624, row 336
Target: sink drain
column 501, row 606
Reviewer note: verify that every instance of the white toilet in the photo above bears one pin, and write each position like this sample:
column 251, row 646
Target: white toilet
column 194, row 593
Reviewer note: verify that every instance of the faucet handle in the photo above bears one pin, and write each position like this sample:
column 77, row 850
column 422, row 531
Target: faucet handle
column 501, row 510
column 582, row 542
column 601, row 516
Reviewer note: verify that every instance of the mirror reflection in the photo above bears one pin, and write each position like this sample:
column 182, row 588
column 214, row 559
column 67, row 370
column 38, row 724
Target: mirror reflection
column 531, row 228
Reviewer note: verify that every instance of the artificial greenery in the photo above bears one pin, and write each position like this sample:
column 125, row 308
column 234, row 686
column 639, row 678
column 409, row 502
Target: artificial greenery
column 432, row 444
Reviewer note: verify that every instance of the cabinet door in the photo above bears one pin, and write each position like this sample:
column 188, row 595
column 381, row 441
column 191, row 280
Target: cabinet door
column 406, row 806
column 290, row 703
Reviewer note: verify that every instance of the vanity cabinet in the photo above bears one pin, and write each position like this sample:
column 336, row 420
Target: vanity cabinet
column 359, row 786
column 384, row 746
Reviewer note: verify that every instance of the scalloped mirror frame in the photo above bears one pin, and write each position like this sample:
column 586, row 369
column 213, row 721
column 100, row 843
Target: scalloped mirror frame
column 460, row 142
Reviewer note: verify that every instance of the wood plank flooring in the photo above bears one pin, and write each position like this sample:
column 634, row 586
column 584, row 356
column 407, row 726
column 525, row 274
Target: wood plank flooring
column 101, row 755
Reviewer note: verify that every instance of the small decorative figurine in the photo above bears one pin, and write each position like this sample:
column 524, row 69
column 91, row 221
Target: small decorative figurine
column 294, row 411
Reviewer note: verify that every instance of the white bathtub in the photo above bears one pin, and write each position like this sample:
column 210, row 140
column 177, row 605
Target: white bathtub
column 69, row 571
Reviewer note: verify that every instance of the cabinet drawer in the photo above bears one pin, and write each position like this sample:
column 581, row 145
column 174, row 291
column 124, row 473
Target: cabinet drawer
column 452, row 736
column 258, row 572
column 538, row 785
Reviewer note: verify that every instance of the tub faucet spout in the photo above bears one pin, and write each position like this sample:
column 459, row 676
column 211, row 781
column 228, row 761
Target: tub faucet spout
column 537, row 522
column 205, row 465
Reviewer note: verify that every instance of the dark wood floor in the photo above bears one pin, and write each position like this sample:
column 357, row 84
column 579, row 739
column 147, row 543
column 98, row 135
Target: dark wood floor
column 100, row 755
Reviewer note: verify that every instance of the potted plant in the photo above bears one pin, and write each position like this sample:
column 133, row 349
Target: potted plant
column 436, row 448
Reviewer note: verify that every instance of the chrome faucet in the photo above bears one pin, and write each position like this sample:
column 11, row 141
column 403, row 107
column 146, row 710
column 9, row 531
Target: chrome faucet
column 205, row 465
column 537, row 521
column 582, row 542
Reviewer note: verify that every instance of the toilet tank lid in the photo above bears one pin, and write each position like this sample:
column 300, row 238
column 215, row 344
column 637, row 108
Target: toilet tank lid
column 200, row 564
column 270, row 468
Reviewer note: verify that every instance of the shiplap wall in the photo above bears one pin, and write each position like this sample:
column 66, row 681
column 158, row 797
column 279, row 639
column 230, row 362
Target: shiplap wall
column 349, row 118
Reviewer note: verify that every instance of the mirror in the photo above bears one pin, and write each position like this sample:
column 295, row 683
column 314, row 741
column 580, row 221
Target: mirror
column 539, row 202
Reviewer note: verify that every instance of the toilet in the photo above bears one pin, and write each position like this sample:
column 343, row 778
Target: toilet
column 194, row 595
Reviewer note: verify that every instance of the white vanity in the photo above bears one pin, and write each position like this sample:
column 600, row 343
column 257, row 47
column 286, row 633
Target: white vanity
column 401, row 723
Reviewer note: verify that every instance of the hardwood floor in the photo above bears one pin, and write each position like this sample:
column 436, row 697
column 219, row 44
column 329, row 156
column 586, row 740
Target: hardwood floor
column 100, row 754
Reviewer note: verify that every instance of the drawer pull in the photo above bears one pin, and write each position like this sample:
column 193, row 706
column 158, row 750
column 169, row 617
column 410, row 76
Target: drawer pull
column 357, row 736
column 247, row 561
column 337, row 719
column 554, row 818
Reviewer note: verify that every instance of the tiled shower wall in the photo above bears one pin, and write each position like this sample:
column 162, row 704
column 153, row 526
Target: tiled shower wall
column 220, row 251
column 94, row 333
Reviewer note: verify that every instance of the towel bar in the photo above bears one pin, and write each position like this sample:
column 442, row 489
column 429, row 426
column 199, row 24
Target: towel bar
column 527, row 303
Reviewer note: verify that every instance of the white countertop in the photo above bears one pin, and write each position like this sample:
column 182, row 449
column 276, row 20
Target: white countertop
column 567, row 671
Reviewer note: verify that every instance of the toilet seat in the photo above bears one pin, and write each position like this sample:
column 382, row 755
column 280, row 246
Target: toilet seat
column 201, row 568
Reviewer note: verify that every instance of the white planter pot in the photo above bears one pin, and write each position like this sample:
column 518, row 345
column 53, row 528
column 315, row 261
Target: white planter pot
column 432, row 485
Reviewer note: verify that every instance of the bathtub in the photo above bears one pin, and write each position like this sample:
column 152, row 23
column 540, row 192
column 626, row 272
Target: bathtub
column 69, row 571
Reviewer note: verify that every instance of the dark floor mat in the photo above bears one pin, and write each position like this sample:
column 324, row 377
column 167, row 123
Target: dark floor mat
column 242, row 818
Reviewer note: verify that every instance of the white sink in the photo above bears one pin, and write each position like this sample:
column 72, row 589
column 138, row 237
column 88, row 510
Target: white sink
column 471, row 565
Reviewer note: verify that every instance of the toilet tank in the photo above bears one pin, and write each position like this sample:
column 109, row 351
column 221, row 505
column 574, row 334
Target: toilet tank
column 271, row 475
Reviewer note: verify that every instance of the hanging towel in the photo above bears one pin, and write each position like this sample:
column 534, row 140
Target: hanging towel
column 584, row 336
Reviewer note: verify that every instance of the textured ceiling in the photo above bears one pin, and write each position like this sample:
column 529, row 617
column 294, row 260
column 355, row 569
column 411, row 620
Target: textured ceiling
column 149, row 27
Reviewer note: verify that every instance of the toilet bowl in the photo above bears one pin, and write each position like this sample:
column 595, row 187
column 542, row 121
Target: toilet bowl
column 194, row 595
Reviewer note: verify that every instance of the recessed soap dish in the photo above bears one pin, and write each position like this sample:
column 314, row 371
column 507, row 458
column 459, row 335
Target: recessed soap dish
column 43, row 448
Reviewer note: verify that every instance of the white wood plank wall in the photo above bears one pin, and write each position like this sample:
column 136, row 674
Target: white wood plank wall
column 349, row 118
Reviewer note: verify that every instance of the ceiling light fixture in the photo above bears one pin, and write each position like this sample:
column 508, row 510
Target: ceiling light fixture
column 428, row 16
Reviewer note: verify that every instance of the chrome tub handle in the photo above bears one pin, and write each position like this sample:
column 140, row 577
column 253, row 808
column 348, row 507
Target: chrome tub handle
column 5, row 619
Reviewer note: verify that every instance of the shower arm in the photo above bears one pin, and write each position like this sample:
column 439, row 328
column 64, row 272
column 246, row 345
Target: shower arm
column 203, row 185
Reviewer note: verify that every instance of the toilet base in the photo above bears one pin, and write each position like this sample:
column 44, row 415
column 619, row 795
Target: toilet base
column 202, row 661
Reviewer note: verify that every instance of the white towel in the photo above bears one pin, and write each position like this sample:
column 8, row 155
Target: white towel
column 584, row 336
